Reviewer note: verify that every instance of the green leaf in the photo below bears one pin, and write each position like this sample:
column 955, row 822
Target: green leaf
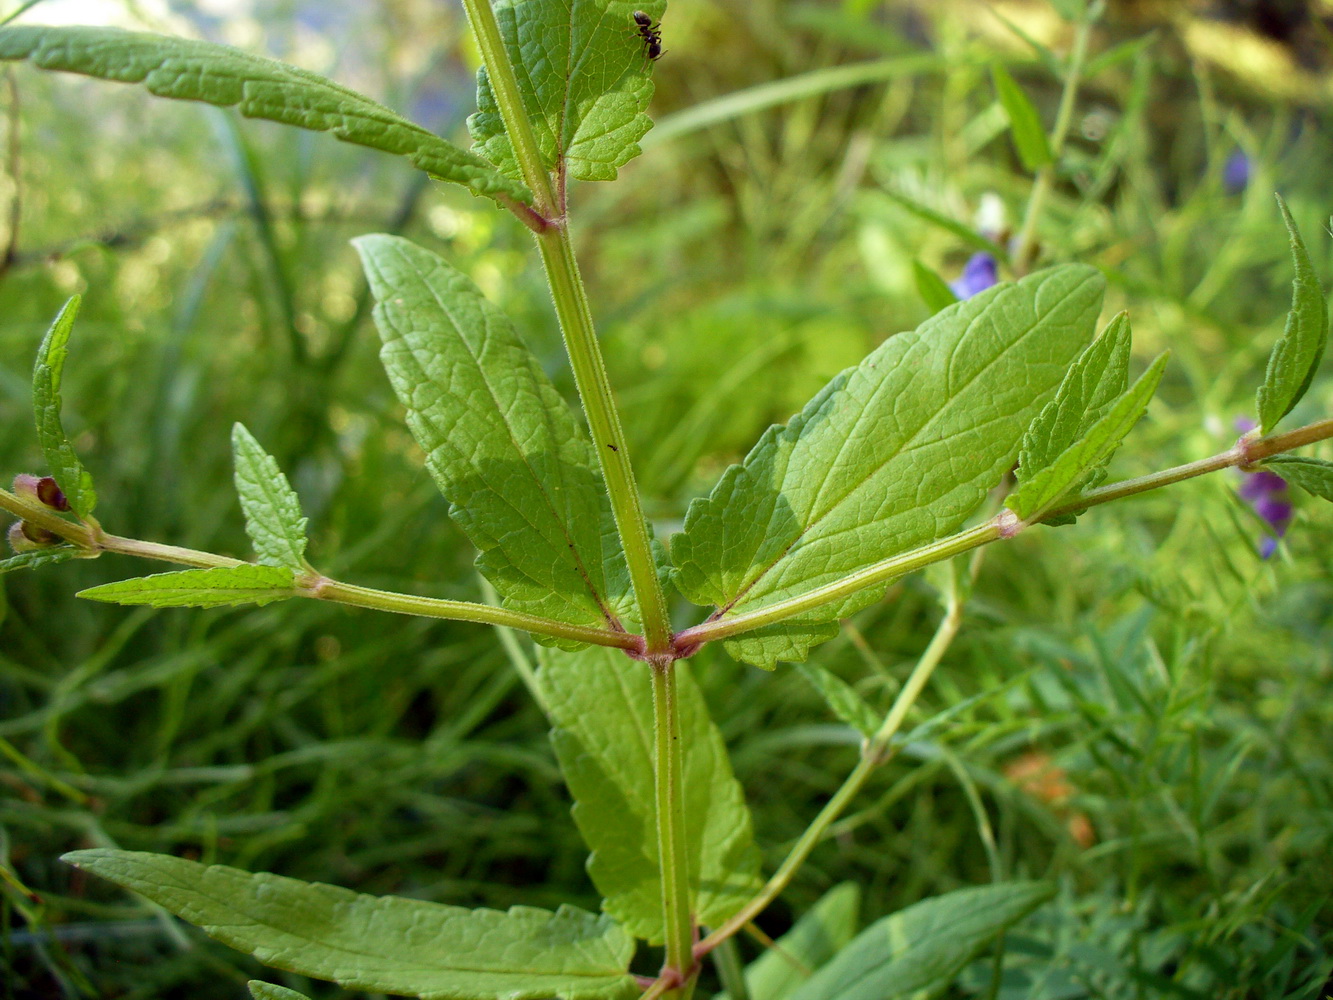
column 846, row 704
column 384, row 944
column 1024, row 122
column 201, row 588
column 933, row 289
column 68, row 472
column 1296, row 356
column 891, row 455
column 1089, row 455
column 601, row 705
column 272, row 512
column 267, row 991
column 963, row 232
column 823, row 931
column 190, row 70
column 1313, row 475
column 502, row 445
column 38, row 557
column 918, row 951
column 585, row 82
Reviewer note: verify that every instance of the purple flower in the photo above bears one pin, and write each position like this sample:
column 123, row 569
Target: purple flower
column 1236, row 173
column 979, row 273
column 1267, row 494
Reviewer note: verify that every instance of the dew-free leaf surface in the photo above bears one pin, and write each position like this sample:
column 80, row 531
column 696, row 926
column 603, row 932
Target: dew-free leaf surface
column 1024, row 121
column 823, row 931
column 39, row 557
column 845, row 703
column 190, row 70
column 1314, row 475
column 1296, row 356
column 585, row 81
column 889, row 456
column 502, row 445
column 272, row 512
column 70, row 475
column 200, row 588
column 601, row 705
column 384, row 944
column 268, row 991
column 918, row 951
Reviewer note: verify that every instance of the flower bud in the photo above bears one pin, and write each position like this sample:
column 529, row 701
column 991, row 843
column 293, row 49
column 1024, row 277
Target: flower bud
column 25, row 537
column 26, row 486
column 50, row 493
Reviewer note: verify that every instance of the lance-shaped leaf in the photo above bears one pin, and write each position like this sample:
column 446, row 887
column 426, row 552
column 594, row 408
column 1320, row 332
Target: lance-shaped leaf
column 190, row 70
column 845, row 703
column 201, row 588
column 384, row 944
column 918, row 951
column 1313, row 475
column 38, row 557
column 934, row 290
column 66, row 469
column 585, row 81
column 601, row 705
column 1024, row 122
column 1296, row 356
column 502, row 445
column 823, row 931
column 891, row 455
column 272, row 512
column 267, row 991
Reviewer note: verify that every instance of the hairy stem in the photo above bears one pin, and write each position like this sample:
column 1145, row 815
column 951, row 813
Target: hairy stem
column 1004, row 525
column 668, row 767
column 575, row 315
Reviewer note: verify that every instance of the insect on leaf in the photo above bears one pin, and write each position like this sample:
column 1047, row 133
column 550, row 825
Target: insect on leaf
column 272, row 512
column 601, row 705
column 191, row 70
column 384, row 944
column 68, row 472
column 201, row 588
column 585, row 78
column 893, row 454
column 1296, row 356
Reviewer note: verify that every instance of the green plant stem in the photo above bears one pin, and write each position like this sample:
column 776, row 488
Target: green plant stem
column 1004, row 525
column 669, row 760
column 876, row 752
column 575, row 315
column 93, row 541
column 1041, row 188
column 727, row 959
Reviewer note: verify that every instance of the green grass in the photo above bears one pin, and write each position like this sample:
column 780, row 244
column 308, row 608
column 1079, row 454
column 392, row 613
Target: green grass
column 1179, row 682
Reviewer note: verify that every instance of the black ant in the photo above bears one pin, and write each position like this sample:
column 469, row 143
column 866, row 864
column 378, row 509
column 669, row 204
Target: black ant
column 651, row 34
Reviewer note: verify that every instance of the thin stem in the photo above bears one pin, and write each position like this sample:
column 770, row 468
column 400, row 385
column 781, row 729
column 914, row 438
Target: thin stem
column 585, row 355
column 1045, row 179
column 1004, row 525
column 94, row 542
column 875, row 753
column 668, row 768
column 575, row 315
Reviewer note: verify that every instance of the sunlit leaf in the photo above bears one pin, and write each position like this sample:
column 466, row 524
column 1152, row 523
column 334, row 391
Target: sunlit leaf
column 891, row 455
column 585, row 81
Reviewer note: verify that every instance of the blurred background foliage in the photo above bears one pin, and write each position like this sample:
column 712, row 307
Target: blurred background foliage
column 1145, row 700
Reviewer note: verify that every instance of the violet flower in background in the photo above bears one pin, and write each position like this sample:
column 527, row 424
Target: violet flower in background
column 979, row 273
column 1236, row 172
column 1267, row 493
